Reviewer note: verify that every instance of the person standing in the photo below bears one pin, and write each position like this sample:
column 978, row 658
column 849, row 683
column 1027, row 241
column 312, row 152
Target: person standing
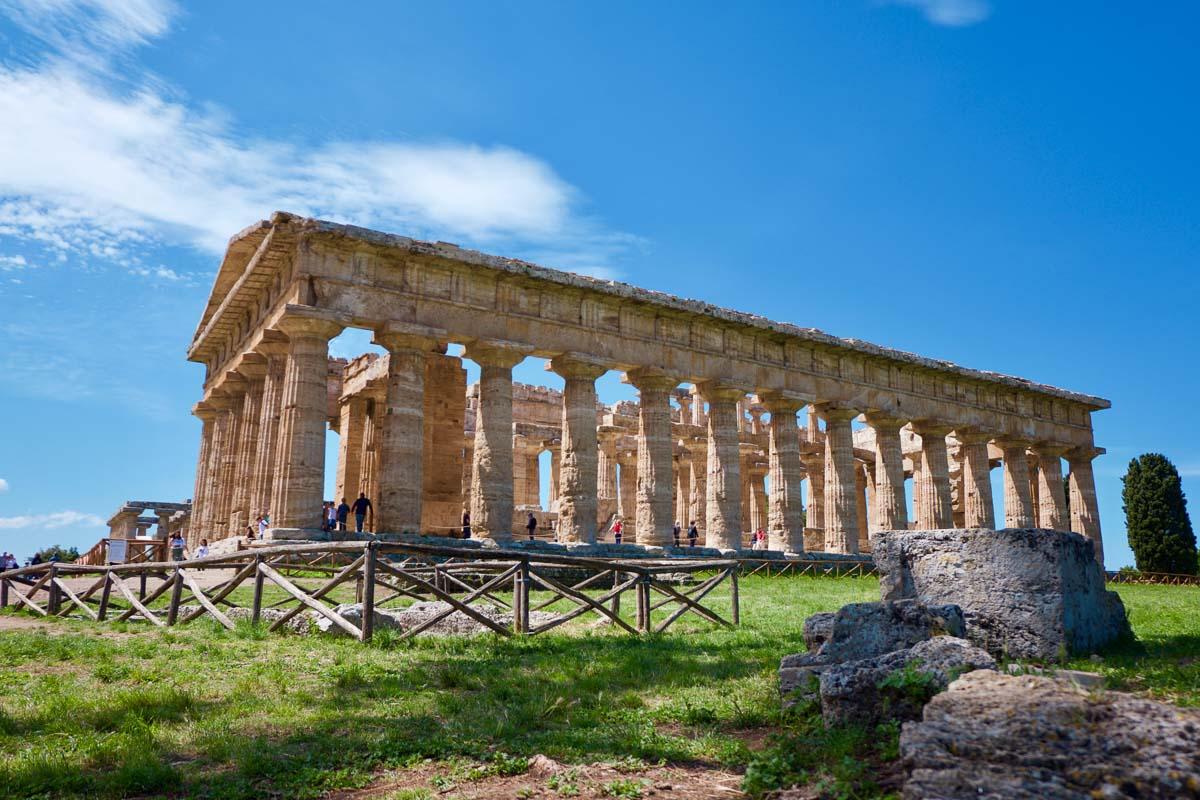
column 693, row 534
column 531, row 525
column 331, row 516
column 361, row 508
column 343, row 515
column 202, row 549
column 675, row 531
column 617, row 529
column 466, row 525
column 178, row 548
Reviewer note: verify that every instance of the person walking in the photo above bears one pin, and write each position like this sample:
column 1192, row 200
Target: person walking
column 617, row 529
column 693, row 534
column 531, row 525
column 466, row 525
column 361, row 508
column 262, row 523
column 202, row 549
column 675, row 531
column 178, row 548
column 343, row 514
column 331, row 516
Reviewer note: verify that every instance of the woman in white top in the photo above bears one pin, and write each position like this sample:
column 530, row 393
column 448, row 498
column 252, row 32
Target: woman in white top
column 202, row 550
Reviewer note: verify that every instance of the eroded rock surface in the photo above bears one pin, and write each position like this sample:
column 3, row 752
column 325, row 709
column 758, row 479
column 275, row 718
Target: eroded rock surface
column 1025, row 593
column 1031, row 738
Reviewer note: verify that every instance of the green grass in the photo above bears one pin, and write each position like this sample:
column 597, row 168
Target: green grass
column 202, row 712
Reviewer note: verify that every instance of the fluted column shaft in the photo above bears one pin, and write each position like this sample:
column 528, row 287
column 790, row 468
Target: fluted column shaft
column 627, row 487
column 207, row 418
column 579, row 464
column 491, row 473
column 841, row 506
column 352, row 425
column 1085, row 511
column 891, row 508
column 300, row 478
column 786, row 518
column 230, row 449
column 247, row 448
column 697, row 506
column 860, row 497
column 814, row 468
column 723, row 503
column 1052, row 499
column 401, row 442
column 270, row 411
column 1018, row 505
column 207, row 523
column 978, row 508
column 655, row 479
column 606, row 477
column 935, row 506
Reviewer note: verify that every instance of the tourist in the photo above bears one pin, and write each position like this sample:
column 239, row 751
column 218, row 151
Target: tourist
column 331, row 516
column 178, row 548
column 531, row 525
column 264, row 522
column 202, row 549
column 617, row 528
column 249, row 534
column 760, row 540
column 693, row 534
column 675, row 531
column 343, row 514
column 362, row 507
column 466, row 528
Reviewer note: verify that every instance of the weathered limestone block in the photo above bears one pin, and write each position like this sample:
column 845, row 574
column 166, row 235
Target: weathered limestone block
column 867, row 630
column 818, row 629
column 896, row 685
column 1024, row 593
column 1028, row 738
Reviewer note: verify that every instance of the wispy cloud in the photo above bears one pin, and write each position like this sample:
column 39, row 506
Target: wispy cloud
column 950, row 13
column 110, row 162
column 9, row 263
column 55, row 519
column 3, row 486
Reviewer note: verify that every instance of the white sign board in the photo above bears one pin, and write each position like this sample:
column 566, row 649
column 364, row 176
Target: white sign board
column 117, row 549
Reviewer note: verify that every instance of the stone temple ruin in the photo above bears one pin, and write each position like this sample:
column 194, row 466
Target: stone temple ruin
column 730, row 452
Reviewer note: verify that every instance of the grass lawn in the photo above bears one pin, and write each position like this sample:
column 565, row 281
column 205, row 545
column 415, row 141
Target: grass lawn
column 199, row 711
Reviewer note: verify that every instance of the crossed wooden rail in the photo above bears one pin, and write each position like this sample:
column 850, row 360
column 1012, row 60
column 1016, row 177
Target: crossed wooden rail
column 456, row 576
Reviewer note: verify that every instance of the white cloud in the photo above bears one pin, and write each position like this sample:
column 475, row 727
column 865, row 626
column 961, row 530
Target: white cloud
column 8, row 263
column 3, row 486
column 55, row 519
column 110, row 163
column 951, row 13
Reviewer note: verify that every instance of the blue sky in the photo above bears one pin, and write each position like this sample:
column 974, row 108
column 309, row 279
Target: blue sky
column 1008, row 185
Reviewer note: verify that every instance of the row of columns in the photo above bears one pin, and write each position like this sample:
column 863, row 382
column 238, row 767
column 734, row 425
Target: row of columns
column 263, row 446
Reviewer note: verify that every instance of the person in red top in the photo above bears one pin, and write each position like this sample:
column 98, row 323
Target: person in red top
column 617, row 528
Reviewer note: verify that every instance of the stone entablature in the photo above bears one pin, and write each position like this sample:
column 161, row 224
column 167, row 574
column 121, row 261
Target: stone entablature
column 289, row 285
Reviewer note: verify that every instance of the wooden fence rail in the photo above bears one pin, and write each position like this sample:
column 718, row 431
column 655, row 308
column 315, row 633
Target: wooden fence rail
column 381, row 573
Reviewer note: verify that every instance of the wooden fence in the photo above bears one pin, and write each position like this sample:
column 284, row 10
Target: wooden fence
column 136, row 550
column 1163, row 578
column 382, row 573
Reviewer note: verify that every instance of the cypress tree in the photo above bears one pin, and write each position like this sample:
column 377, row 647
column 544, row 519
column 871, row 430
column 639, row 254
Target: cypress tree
column 1156, row 520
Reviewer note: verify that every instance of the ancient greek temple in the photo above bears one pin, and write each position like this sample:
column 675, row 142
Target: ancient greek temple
column 741, row 424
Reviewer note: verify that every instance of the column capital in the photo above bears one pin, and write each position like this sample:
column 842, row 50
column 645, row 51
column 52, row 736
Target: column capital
column 970, row 435
column 252, row 365
column 576, row 365
column 1012, row 442
column 1050, row 449
column 272, row 343
column 779, row 403
column 832, row 412
column 397, row 336
column 717, row 390
column 1085, row 453
column 651, row 379
column 497, row 353
column 308, row 322
column 881, row 420
column 205, row 411
column 931, row 427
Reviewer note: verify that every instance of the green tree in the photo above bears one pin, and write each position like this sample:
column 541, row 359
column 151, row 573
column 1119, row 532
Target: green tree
column 1156, row 519
column 65, row 554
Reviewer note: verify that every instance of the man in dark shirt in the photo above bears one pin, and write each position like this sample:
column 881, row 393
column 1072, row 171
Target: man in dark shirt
column 531, row 525
column 693, row 534
column 343, row 514
column 466, row 526
column 362, row 507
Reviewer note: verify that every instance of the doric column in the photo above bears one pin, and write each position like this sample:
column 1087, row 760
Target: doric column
column 860, row 499
column 723, row 504
column 891, row 509
column 1085, row 511
column 654, row 486
column 273, row 347
column 1035, row 499
column 521, row 464
column 206, row 526
column 555, row 448
column 627, row 486
column 402, row 440
column 812, row 456
column 164, row 524
column 207, row 415
column 759, row 513
column 1018, row 506
column 579, row 463
column 841, row 507
column 698, row 500
column 235, row 397
column 699, row 418
column 785, row 526
column 606, row 474
column 685, row 408
column 372, row 433
column 682, row 466
column 352, row 427
column 491, row 474
column 1052, row 512
column 978, row 508
column 300, row 478
column 254, row 368
column 934, row 507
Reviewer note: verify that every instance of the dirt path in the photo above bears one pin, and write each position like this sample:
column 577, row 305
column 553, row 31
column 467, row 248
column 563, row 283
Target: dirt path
column 548, row 779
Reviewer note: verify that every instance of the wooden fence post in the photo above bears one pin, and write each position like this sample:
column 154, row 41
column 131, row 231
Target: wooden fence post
column 368, row 594
column 521, row 598
column 734, row 598
column 256, row 608
column 176, row 596
column 104, row 594
column 3, row 592
column 142, row 585
column 616, row 601
column 54, row 594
